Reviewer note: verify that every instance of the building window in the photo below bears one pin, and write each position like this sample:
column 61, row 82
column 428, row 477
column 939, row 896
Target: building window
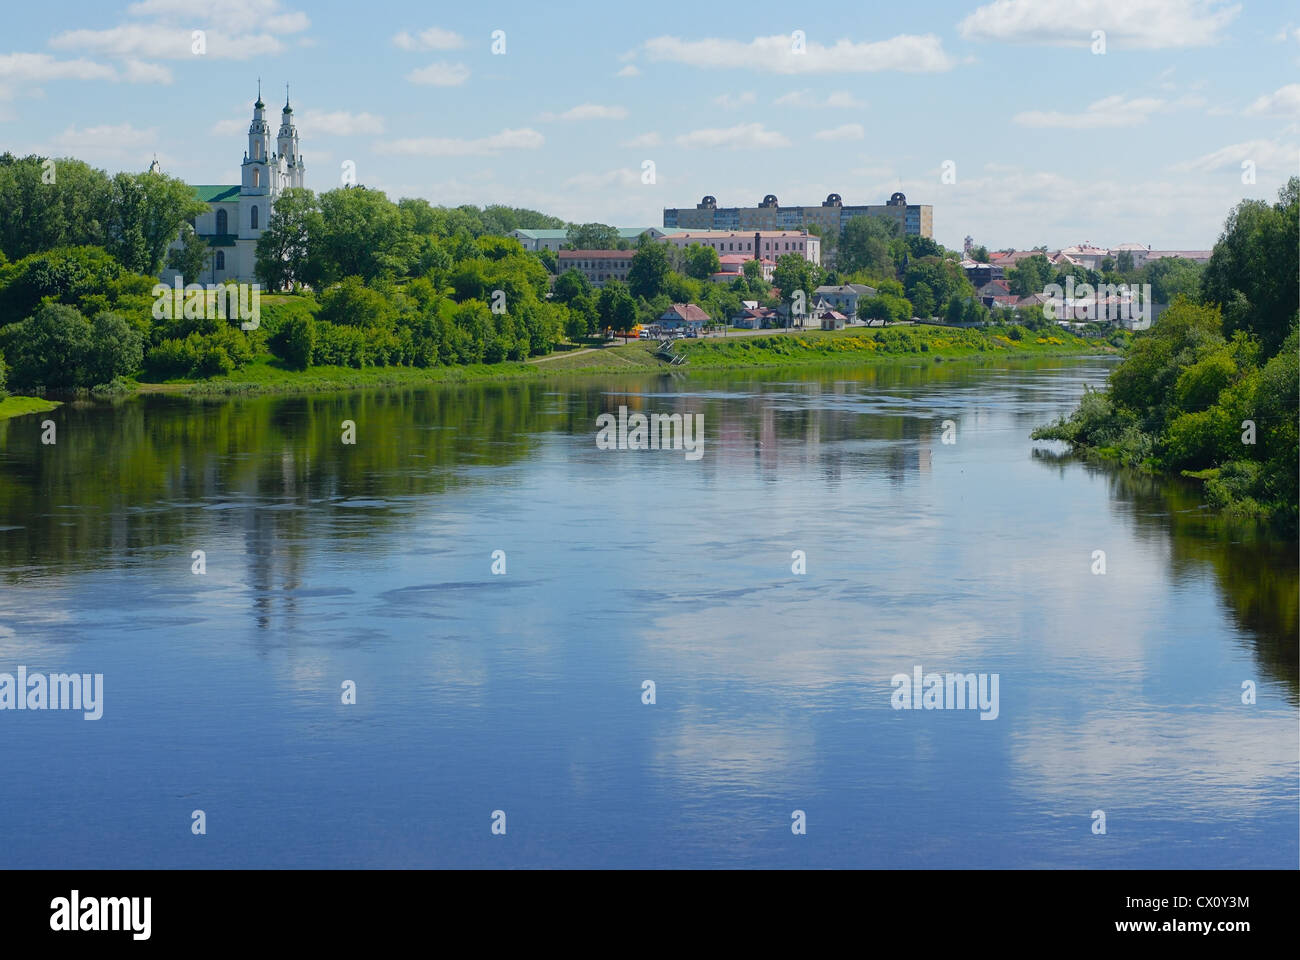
column 223, row 222
column 257, row 177
column 221, row 259
column 253, row 218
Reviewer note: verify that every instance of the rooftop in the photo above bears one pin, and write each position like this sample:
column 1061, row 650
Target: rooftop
column 607, row 254
column 215, row 193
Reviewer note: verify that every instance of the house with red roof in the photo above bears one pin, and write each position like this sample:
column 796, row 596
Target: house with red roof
column 683, row 318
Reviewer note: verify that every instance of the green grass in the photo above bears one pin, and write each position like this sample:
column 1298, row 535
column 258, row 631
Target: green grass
column 18, row 406
column 858, row 345
column 854, row 346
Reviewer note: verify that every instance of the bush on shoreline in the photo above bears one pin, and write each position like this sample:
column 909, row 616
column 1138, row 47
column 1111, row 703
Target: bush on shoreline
column 1212, row 390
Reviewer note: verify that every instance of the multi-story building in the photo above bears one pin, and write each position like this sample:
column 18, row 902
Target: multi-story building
column 765, row 244
column 830, row 215
column 556, row 239
column 845, row 297
column 597, row 265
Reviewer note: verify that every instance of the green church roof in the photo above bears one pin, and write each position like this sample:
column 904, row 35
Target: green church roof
column 215, row 193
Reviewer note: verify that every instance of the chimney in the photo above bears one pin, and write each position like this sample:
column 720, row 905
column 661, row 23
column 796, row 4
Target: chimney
column 757, row 253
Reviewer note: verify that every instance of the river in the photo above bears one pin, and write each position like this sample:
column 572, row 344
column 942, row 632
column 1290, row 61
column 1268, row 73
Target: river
column 825, row 541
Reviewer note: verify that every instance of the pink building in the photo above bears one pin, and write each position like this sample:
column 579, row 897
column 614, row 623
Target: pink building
column 767, row 244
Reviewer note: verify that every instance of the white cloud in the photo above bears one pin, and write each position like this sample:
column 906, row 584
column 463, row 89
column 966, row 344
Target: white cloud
column 234, row 15
column 643, row 140
column 138, row 71
column 745, row 136
column 340, row 123
column 1136, row 24
column 1265, row 154
column 629, row 71
column 614, row 178
column 807, row 100
column 161, row 42
column 1109, row 112
column 41, row 66
column 434, row 38
column 232, row 125
column 907, row 53
column 728, row 102
column 522, row 139
column 440, row 75
column 588, row 111
column 106, row 144
column 1282, row 102
column 847, row 131
column 843, row 100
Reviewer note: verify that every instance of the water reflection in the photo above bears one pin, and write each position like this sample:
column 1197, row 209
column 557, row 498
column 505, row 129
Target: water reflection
column 371, row 563
column 1255, row 573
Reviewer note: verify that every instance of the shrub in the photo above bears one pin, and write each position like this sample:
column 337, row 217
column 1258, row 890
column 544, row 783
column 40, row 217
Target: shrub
column 116, row 349
column 64, row 275
column 50, row 348
column 295, row 341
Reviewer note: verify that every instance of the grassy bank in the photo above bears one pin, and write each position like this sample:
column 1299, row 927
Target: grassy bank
column 853, row 347
column 859, row 345
column 18, row 406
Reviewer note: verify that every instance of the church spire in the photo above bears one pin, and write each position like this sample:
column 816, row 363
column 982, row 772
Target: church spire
column 259, row 94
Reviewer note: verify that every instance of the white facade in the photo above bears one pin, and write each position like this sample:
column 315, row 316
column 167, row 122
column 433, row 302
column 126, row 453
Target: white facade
column 238, row 213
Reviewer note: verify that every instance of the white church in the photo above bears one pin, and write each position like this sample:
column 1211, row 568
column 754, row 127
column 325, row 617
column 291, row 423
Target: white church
column 238, row 213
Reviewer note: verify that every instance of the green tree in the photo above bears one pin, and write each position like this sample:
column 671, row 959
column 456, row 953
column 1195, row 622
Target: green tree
column 549, row 260
column 648, row 274
column 702, row 262
column 49, row 349
column 1029, row 276
column 284, row 248
column 923, row 300
column 361, row 233
column 570, row 284
column 145, row 214
column 67, row 275
column 794, row 274
column 351, row 303
column 592, row 236
column 116, row 349
column 1252, row 271
column 1171, row 277
column 47, row 204
column 295, row 341
column 191, row 258
column 864, row 245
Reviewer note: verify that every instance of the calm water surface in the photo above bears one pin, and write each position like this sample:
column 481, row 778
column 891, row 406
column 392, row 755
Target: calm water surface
column 522, row 692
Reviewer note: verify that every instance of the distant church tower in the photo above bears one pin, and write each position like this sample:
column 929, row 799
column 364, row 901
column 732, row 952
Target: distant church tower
column 291, row 170
column 238, row 213
column 266, row 174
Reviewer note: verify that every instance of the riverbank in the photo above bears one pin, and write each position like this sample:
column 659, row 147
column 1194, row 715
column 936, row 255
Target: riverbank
column 20, row 406
column 852, row 347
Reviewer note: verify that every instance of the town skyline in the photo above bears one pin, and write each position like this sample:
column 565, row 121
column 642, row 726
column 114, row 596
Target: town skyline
column 933, row 103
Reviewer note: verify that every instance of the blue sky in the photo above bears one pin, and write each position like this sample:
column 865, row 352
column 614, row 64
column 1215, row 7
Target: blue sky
column 1048, row 141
